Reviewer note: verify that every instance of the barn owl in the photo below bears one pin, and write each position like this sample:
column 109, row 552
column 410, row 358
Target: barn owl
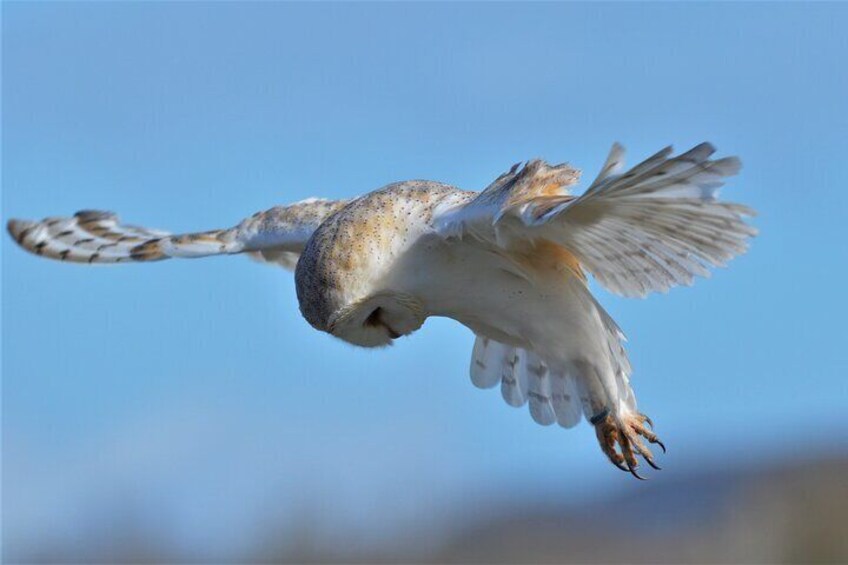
column 509, row 262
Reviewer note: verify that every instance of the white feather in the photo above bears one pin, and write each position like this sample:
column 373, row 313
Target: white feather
column 540, row 390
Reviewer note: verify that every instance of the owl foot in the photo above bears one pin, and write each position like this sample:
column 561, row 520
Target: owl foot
column 627, row 432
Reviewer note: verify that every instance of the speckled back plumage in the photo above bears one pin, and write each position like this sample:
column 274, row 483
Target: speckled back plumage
column 353, row 247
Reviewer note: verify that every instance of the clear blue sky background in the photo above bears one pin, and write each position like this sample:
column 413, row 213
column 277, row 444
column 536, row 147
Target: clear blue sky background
column 191, row 399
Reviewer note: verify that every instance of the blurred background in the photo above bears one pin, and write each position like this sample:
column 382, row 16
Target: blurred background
column 184, row 412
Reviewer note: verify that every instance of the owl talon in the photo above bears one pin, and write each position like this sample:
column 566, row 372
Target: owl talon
column 637, row 475
column 621, row 440
column 650, row 461
column 621, row 466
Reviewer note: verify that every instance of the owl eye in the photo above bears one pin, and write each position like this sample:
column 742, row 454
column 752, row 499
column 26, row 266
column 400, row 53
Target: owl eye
column 375, row 320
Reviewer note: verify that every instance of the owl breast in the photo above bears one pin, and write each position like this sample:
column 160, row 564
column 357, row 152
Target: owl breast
column 346, row 280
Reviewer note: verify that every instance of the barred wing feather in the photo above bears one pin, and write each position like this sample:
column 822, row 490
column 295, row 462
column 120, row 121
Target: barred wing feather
column 654, row 227
column 276, row 235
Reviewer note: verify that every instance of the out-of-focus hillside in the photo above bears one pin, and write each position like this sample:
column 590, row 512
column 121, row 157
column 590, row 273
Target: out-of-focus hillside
column 788, row 515
column 791, row 513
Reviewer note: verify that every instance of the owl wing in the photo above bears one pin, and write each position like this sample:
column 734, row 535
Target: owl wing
column 653, row 227
column 277, row 235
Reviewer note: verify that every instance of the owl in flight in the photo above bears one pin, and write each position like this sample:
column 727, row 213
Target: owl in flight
column 509, row 263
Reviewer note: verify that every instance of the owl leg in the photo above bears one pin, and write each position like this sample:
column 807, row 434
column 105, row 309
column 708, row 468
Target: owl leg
column 621, row 439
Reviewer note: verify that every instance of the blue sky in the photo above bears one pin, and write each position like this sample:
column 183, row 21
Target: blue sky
column 192, row 394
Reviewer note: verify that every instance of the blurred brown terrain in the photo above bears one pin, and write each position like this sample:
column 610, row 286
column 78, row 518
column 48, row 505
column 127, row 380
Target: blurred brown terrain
column 788, row 513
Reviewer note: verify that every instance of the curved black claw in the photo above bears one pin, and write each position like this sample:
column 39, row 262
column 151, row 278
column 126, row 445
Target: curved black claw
column 621, row 466
column 648, row 420
column 661, row 444
column 635, row 474
column 652, row 464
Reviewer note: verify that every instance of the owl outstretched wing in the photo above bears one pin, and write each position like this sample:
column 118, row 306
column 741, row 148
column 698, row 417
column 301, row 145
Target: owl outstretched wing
column 651, row 228
column 277, row 235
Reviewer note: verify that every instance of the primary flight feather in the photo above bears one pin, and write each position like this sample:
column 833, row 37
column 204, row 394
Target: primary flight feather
column 508, row 262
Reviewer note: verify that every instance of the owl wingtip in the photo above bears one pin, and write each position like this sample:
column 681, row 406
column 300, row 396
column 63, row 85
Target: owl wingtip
column 17, row 228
